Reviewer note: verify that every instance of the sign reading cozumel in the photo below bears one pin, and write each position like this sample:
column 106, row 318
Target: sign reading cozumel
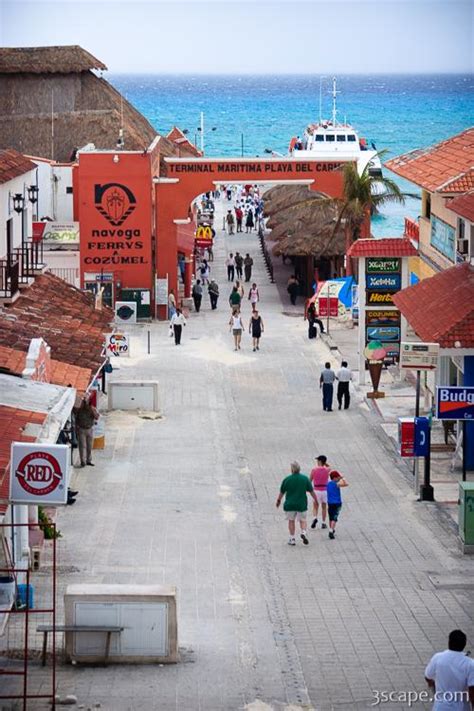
column 454, row 403
column 39, row 473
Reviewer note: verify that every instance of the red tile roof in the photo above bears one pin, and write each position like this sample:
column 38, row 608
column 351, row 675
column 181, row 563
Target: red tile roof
column 63, row 315
column 12, row 424
column 434, row 167
column 463, row 206
column 383, row 247
column 441, row 309
column 461, row 183
column 14, row 362
column 180, row 139
column 13, row 164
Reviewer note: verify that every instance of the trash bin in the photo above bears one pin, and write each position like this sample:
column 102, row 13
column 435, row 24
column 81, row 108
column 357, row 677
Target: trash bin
column 466, row 515
column 7, row 591
column 23, row 590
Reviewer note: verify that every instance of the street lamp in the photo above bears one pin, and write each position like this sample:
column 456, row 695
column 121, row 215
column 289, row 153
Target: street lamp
column 18, row 202
column 200, row 130
column 33, row 193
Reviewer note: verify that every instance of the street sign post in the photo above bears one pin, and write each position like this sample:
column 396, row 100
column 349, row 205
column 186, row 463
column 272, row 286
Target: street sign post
column 419, row 356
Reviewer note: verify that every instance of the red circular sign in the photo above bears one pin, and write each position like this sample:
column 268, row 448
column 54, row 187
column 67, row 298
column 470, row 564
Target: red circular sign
column 39, row 473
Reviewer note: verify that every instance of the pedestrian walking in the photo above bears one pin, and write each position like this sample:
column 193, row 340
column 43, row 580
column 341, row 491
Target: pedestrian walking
column 230, row 222
column 230, row 264
column 292, row 288
column 171, row 304
column 205, row 271
column 313, row 319
column 451, row 675
column 241, row 290
column 344, row 377
column 197, row 295
column 213, row 290
column 256, row 328
column 326, row 382
column 319, row 478
column 295, row 489
column 239, row 262
column 85, row 418
column 254, row 296
column 236, row 326
column 177, row 323
column 235, row 299
column 249, row 222
column 182, row 266
column 239, row 216
column 248, row 264
column 335, row 484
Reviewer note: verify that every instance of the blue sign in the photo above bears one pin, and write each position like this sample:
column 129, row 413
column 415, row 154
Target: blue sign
column 384, row 282
column 454, row 403
column 442, row 237
column 383, row 333
column 421, row 444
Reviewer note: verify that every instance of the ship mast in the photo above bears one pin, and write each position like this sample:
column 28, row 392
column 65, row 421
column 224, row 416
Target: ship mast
column 334, row 95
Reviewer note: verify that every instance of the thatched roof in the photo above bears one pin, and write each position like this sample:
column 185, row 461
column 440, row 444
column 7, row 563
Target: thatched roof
column 47, row 60
column 304, row 244
column 281, row 196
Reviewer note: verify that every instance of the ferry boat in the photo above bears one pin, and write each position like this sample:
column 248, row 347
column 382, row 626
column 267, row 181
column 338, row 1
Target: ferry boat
column 330, row 140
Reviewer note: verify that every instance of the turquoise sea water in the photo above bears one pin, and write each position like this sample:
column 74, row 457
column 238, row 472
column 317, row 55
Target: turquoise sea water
column 398, row 113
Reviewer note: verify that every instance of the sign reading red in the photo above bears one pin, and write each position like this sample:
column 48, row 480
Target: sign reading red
column 39, row 473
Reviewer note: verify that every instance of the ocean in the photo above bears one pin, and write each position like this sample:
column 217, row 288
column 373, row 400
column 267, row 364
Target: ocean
column 398, row 113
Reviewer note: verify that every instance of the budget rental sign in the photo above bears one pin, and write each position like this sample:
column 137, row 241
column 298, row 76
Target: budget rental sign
column 39, row 473
column 454, row 403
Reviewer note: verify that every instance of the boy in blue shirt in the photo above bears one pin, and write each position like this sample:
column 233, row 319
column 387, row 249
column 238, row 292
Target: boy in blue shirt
column 335, row 483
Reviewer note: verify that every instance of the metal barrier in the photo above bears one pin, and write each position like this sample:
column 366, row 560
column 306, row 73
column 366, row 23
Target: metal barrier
column 266, row 254
column 9, row 277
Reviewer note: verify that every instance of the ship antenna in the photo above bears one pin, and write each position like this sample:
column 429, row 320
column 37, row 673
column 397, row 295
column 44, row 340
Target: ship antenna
column 334, row 94
column 321, row 99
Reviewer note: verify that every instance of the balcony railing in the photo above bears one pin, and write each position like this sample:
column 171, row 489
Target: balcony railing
column 412, row 229
column 30, row 257
column 9, row 277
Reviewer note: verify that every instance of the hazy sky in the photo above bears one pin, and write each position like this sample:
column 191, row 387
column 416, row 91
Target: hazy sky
column 250, row 36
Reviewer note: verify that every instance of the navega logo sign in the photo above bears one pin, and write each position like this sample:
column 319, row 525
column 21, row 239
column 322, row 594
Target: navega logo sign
column 115, row 202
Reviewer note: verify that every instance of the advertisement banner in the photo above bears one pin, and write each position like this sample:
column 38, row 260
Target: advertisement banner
column 454, row 403
column 386, row 334
column 383, row 282
column 117, row 345
column 382, row 264
column 39, row 473
column 382, row 318
column 126, row 311
column 61, row 232
column 379, row 298
column 333, row 306
column 203, row 236
column 38, row 231
column 442, row 237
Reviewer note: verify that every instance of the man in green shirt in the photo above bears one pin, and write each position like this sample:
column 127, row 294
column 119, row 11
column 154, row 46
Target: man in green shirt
column 295, row 487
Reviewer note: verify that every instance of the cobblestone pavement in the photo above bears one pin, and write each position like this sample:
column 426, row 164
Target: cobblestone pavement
column 190, row 500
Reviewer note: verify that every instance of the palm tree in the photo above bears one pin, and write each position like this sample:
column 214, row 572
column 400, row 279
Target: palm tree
column 363, row 195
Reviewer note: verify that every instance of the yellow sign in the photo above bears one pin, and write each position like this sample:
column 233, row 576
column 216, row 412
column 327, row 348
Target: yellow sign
column 204, row 232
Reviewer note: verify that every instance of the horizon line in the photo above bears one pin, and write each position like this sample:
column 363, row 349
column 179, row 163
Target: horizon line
column 328, row 75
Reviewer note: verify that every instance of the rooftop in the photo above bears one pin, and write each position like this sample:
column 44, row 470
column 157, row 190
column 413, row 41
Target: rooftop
column 441, row 309
column 447, row 166
column 61, row 314
column 463, row 206
column 47, row 60
column 14, row 362
column 383, row 247
column 13, row 164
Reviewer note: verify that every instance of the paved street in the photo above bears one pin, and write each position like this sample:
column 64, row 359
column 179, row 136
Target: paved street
column 190, row 500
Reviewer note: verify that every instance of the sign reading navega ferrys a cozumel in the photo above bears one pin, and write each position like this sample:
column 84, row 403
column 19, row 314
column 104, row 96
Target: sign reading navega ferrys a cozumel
column 115, row 214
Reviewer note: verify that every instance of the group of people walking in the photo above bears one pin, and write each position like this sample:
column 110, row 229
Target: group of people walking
column 324, row 486
column 326, row 383
column 238, row 265
column 248, row 209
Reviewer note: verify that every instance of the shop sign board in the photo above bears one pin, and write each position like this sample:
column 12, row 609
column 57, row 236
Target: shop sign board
column 382, row 317
column 161, row 291
column 406, row 436
column 380, row 298
column 454, row 403
column 61, row 232
column 203, row 236
column 383, row 282
column 393, row 351
column 39, row 473
column 389, row 334
column 443, row 237
column 126, row 311
column 333, row 306
column 117, row 345
column 382, row 264
column 419, row 356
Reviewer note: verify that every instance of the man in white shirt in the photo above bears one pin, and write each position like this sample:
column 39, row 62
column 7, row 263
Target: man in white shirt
column 344, row 376
column 451, row 675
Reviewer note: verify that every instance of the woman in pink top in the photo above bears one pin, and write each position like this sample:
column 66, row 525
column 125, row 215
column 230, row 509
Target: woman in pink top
column 319, row 479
